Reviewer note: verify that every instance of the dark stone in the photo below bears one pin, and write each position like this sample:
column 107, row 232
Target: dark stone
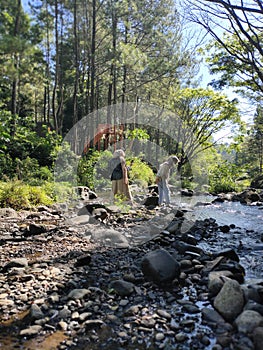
column 151, row 201
column 153, row 189
column 184, row 247
column 253, row 305
column 123, row 288
column 257, row 182
column 212, row 316
column 233, row 266
column 187, row 238
column 159, row 266
column 224, row 228
column 34, row 229
column 218, row 200
column 83, row 260
column 187, row 192
column 228, row 253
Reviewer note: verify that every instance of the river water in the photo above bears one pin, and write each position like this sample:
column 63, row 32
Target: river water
column 246, row 237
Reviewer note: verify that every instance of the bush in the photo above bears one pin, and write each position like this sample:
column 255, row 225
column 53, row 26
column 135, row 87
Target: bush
column 18, row 195
column 93, row 170
column 222, row 178
column 88, row 173
column 140, row 173
column 29, row 171
column 59, row 192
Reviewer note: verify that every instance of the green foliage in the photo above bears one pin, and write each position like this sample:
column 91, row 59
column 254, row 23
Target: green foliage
column 102, row 172
column 121, row 201
column 27, row 154
column 93, row 170
column 18, row 195
column 66, row 165
column 140, row 172
column 138, row 134
column 60, row 192
column 86, row 168
column 222, row 177
column 29, row 171
column 226, row 60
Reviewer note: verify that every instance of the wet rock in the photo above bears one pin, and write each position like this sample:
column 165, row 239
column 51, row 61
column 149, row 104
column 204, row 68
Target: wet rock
column 252, row 305
column 212, row 316
column 229, row 301
column 180, row 337
column 248, row 320
column 190, row 239
column 228, row 253
column 184, row 247
column 258, row 338
column 174, row 227
column 191, row 309
column 216, row 280
column 242, row 342
column 159, row 266
column 233, row 266
column 224, row 228
column 164, row 314
column 253, row 292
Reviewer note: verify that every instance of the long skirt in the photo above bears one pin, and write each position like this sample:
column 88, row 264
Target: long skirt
column 118, row 187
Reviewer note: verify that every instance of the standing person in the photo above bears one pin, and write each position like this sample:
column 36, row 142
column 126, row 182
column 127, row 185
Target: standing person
column 162, row 179
column 119, row 176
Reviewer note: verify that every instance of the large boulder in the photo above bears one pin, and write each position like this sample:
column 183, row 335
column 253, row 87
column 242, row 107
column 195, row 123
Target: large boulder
column 248, row 321
column 159, row 266
column 229, row 301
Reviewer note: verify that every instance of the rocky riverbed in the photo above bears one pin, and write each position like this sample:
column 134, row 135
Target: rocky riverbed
column 118, row 278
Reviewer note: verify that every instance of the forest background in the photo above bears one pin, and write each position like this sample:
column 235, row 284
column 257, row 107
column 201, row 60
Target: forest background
column 62, row 61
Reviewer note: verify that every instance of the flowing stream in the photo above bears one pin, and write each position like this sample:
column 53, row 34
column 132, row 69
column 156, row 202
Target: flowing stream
column 246, row 237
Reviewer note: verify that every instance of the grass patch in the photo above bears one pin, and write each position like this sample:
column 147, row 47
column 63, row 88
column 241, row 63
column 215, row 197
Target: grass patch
column 18, row 195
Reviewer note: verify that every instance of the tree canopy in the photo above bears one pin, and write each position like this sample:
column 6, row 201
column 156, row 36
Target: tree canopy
column 236, row 52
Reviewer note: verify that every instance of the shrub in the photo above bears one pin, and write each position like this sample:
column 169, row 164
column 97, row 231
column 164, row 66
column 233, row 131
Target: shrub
column 18, row 195
column 140, row 172
column 222, row 178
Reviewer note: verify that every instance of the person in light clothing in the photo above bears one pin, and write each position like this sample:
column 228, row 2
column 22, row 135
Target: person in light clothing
column 162, row 179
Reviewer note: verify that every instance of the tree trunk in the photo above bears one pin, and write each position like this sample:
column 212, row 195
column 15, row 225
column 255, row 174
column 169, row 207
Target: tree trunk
column 16, row 67
column 56, row 69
